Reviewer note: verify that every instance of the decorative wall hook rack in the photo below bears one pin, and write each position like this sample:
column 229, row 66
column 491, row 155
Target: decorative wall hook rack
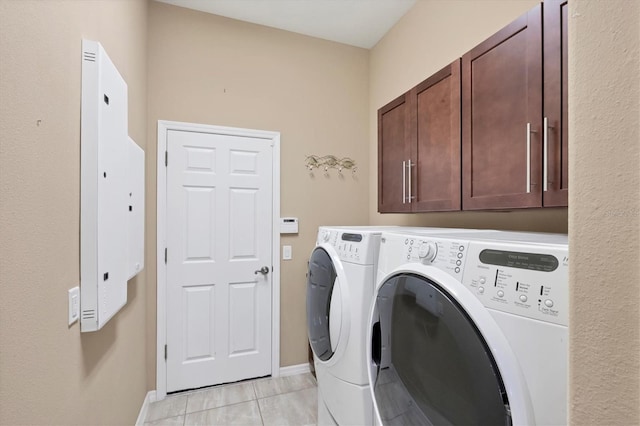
column 330, row 162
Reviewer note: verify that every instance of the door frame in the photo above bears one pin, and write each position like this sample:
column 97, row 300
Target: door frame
column 161, row 215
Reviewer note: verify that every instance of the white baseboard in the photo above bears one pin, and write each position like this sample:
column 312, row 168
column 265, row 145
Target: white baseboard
column 151, row 397
column 292, row 370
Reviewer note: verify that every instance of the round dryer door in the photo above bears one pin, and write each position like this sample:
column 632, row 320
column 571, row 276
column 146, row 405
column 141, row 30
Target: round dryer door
column 434, row 365
column 324, row 305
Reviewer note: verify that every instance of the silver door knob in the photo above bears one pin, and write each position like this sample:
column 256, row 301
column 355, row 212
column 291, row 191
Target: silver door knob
column 264, row 271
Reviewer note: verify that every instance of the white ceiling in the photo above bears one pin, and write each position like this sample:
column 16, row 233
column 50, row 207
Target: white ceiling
column 360, row 23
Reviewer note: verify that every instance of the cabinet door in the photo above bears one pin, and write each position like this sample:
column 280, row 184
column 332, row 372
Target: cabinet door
column 436, row 129
column 393, row 156
column 555, row 147
column 501, row 100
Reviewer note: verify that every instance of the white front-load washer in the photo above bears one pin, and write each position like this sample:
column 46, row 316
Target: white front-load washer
column 340, row 285
column 340, row 282
column 470, row 329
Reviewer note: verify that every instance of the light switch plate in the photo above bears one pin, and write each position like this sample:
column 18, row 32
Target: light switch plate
column 286, row 252
column 74, row 304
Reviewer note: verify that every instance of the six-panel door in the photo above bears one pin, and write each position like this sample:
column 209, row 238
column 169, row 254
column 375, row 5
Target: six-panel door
column 219, row 228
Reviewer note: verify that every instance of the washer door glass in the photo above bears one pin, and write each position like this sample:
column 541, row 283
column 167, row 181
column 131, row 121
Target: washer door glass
column 321, row 279
column 434, row 366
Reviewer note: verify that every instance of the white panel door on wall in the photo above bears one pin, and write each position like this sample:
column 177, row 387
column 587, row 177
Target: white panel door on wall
column 219, row 232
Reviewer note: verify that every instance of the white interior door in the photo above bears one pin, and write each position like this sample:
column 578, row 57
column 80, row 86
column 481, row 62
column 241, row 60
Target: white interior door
column 219, row 232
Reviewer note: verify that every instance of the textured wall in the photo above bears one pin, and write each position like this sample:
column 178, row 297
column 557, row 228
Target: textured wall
column 604, row 212
column 49, row 372
column 430, row 36
column 214, row 70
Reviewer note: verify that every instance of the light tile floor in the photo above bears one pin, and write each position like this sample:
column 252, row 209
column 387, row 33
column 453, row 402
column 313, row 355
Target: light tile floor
column 290, row 400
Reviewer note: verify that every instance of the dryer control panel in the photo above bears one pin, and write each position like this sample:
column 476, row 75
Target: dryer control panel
column 529, row 280
column 446, row 254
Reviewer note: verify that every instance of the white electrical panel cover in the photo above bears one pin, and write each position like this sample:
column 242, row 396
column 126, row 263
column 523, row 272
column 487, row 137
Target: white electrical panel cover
column 104, row 195
column 135, row 231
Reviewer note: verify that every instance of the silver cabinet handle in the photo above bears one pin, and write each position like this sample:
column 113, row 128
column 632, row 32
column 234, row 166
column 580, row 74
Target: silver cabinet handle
column 545, row 140
column 264, row 271
column 545, row 154
column 528, row 158
column 404, row 182
column 409, row 167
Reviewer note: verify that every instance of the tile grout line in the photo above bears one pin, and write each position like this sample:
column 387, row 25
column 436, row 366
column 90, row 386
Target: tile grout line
column 221, row 406
column 147, row 420
column 288, row 392
column 216, row 408
column 186, row 404
column 285, row 393
column 255, row 393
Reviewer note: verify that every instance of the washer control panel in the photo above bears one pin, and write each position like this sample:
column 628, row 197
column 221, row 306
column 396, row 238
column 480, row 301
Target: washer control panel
column 327, row 236
column 530, row 281
column 445, row 254
column 354, row 247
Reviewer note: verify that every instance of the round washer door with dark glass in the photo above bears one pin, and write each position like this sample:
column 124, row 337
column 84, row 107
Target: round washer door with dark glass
column 324, row 305
column 435, row 367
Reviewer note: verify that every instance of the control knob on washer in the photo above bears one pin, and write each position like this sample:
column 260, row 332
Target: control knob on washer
column 326, row 235
column 427, row 251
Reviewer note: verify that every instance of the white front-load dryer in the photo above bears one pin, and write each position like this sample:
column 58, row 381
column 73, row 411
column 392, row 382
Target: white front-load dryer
column 470, row 329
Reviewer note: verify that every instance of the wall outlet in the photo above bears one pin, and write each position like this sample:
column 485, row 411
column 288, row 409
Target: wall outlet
column 286, row 252
column 74, row 305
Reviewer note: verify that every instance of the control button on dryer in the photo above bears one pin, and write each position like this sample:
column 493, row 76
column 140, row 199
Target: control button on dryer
column 427, row 251
column 457, row 269
column 459, row 255
column 548, row 303
column 482, row 280
column 500, row 293
column 523, row 298
column 458, row 262
column 461, row 248
column 480, row 290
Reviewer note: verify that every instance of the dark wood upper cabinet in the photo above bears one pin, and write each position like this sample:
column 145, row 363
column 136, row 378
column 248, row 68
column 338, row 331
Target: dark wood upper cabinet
column 436, row 130
column 393, row 152
column 488, row 131
column 419, row 147
column 502, row 118
column 555, row 146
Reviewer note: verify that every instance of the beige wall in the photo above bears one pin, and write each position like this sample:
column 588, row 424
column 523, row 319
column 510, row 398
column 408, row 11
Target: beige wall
column 604, row 212
column 213, row 70
column 49, row 372
column 430, row 36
